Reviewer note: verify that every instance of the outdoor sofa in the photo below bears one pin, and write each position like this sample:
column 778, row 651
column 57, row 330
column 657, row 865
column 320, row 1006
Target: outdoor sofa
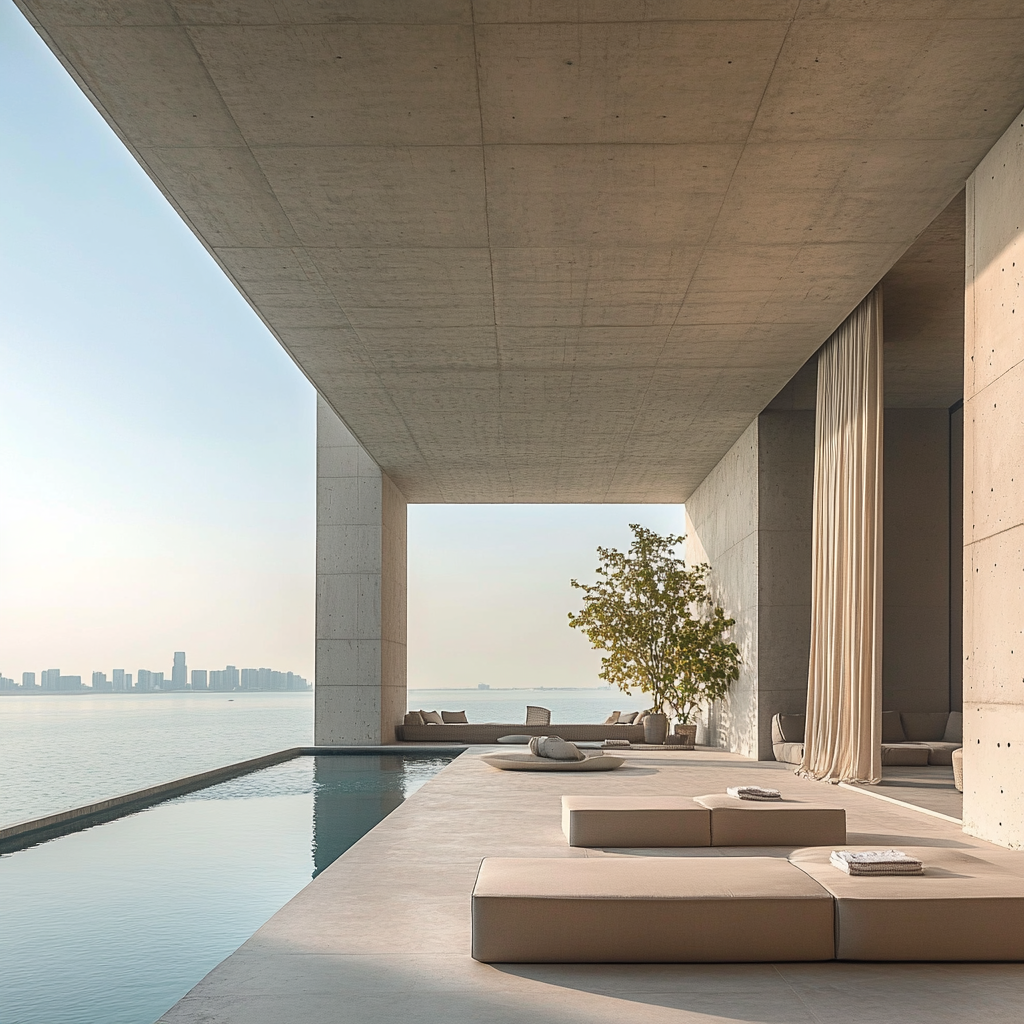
column 908, row 737
column 491, row 732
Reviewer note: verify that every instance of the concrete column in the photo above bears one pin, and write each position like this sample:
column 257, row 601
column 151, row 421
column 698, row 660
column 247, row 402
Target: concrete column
column 993, row 676
column 750, row 520
column 360, row 592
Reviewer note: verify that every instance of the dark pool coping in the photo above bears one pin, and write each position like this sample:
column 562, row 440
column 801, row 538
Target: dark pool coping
column 23, row 834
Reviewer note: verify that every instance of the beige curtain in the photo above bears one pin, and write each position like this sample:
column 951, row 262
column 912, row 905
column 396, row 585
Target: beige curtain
column 844, row 686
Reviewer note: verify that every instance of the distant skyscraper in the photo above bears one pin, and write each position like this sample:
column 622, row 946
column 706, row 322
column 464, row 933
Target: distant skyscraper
column 199, row 679
column 28, row 680
column 265, row 674
column 127, row 680
column 145, row 680
column 100, row 684
column 50, row 678
column 232, row 675
column 250, row 678
column 6, row 683
column 179, row 673
column 119, row 684
column 69, row 682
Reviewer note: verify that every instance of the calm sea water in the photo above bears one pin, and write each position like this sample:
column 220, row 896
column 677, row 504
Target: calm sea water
column 64, row 750
column 115, row 924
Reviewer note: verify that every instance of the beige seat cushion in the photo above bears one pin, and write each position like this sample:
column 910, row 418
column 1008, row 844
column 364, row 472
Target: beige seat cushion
column 762, row 823
column 968, row 905
column 904, row 754
column 649, row 910
column 789, row 753
column 941, row 751
column 630, row 821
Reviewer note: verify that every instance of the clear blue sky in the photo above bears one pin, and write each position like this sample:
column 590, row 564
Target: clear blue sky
column 157, row 447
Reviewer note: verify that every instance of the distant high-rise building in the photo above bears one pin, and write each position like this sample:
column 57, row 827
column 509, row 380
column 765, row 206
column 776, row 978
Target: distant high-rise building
column 264, row 683
column 250, row 678
column 5, row 683
column 199, row 679
column 69, row 682
column 145, row 680
column 50, row 678
column 127, row 680
column 157, row 681
column 118, row 683
column 232, row 676
column 28, row 680
column 100, row 684
column 179, row 673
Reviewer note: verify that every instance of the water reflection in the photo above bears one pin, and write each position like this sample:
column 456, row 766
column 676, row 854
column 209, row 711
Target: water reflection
column 353, row 793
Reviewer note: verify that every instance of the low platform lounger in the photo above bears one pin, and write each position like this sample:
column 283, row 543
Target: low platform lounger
column 715, row 820
column 649, row 910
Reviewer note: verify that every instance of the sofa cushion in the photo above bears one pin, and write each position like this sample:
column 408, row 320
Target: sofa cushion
column 649, row 910
column 612, row 718
column 923, row 725
column 635, row 821
column 454, row 717
column 892, row 727
column 940, row 752
column 968, row 905
column 904, row 754
column 788, row 728
column 954, row 728
column 414, row 718
column 776, row 823
column 629, row 718
column 788, row 753
column 431, row 718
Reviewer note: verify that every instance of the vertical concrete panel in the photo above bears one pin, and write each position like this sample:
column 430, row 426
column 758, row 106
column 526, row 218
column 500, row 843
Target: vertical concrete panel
column 360, row 592
column 956, row 559
column 915, row 578
column 993, row 528
column 786, row 486
column 721, row 528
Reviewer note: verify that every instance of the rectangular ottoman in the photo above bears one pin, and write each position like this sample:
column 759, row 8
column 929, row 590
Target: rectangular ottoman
column 968, row 905
column 626, row 821
column 783, row 823
column 649, row 910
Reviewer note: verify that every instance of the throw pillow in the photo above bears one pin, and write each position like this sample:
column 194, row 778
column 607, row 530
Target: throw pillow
column 556, row 749
column 454, row 717
column 432, row 718
column 628, row 719
column 954, row 728
column 414, row 718
column 612, row 719
column 892, row 727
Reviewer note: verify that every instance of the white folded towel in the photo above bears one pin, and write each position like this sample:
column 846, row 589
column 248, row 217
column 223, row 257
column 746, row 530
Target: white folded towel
column 753, row 793
column 876, row 862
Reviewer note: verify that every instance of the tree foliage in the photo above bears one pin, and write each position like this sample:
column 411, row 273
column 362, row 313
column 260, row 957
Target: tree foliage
column 662, row 632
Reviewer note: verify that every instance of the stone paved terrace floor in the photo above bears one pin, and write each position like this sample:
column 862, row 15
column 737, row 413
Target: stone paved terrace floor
column 382, row 936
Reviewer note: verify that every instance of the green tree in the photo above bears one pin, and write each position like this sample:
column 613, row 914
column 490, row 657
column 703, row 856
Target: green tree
column 663, row 633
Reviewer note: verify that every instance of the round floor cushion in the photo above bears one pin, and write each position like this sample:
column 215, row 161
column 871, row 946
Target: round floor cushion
column 529, row 763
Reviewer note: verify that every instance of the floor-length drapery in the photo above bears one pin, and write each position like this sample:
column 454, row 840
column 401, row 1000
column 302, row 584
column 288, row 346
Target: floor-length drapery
column 844, row 686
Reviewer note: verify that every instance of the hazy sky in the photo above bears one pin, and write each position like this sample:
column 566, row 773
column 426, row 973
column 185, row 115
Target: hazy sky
column 157, row 447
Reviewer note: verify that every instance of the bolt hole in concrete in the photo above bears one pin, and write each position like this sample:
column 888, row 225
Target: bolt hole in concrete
column 114, row 924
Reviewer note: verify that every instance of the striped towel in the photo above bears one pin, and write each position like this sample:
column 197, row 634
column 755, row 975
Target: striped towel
column 876, row 862
column 753, row 793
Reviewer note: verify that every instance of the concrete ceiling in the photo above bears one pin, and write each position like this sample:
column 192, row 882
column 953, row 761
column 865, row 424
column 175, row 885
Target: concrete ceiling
column 551, row 251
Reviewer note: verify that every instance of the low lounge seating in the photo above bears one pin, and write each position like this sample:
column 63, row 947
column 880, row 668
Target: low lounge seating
column 713, row 820
column 491, row 732
column 908, row 737
column 649, row 910
column 786, row 823
column 968, row 905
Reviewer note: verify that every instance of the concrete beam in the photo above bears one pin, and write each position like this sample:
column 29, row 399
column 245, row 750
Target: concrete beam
column 360, row 592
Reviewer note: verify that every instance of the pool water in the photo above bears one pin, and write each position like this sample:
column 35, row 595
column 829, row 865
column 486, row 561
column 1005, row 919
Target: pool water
column 114, row 924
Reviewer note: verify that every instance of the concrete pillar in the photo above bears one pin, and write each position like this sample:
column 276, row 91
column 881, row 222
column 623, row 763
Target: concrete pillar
column 993, row 677
column 750, row 519
column 360, row 592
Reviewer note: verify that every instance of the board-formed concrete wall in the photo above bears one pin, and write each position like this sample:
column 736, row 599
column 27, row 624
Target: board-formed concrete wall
column 915, row 576
column 750, row 519
column 360, row 592
column 993, row 678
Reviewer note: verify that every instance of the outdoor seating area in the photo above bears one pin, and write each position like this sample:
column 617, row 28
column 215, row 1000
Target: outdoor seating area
column 909, row 738
column 452, row 727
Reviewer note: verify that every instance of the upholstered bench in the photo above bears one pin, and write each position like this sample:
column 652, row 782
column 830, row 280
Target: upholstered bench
column 770, row 823
column 968, row 905
column 649, row 910
column 630, row 821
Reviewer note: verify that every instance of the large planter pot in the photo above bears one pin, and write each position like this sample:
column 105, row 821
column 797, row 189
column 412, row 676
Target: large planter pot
column 685, row 735
column 655, row 728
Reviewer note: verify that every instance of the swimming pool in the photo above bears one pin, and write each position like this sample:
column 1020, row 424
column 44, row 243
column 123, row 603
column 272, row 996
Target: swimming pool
column 114, row 924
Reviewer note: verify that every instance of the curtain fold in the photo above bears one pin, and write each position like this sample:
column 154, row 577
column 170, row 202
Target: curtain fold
column 842, row 742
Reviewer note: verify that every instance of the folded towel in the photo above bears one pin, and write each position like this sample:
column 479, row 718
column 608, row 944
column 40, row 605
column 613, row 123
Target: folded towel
column 556, row 749
column 616, row 743
column 753, row 793
column 876, row 862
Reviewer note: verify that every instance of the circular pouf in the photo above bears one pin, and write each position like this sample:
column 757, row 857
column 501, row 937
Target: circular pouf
column 958, row 768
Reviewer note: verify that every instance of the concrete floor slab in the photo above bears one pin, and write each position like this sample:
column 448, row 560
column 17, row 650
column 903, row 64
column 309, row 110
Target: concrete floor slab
column 384, row 933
